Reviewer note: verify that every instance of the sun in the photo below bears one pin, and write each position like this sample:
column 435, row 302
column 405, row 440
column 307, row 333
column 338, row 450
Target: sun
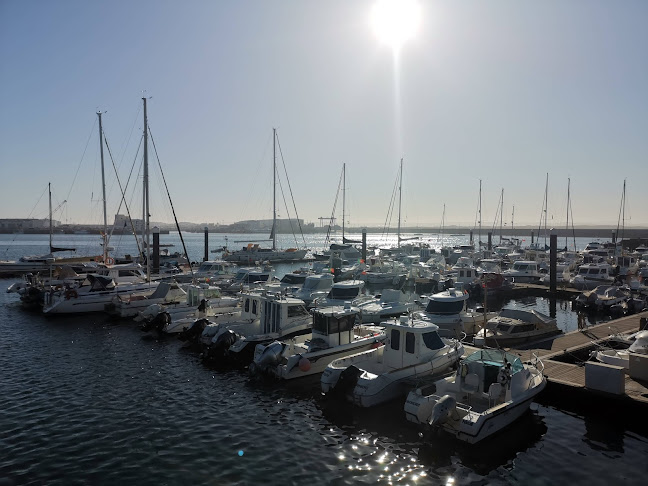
column 395, row 21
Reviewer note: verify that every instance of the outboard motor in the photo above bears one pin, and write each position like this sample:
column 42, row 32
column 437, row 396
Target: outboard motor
column 220, row 345
column 347, row 381
column 158, row 323
column 193, row 332
column 442, row 410
column 270, row 358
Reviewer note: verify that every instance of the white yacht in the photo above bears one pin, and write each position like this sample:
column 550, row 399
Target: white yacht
column 97, row 290
column 336, row 334
column 602, row 297
column 512, row 327
column 248, row 278
column 413, row 351
column 489, row 391
column 215, row 271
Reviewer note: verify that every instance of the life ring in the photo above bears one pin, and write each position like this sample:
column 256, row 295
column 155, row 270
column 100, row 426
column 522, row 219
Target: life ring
column 110, row 261
column 71, row 293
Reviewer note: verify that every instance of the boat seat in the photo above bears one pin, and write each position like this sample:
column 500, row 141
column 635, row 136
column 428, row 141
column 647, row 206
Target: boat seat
column 494, row 392
column 470, row 383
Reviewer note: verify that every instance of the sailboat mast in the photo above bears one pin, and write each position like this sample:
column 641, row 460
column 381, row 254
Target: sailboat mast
column 501, row 216
column 49, row 188
column 343, row 197
column 442, row 225
column 567, row 225
column 146, row 228
column 546, row 209
column 103, row 185
column 274, row 189
column 480, row 213
column 512, row 219
column 400, row 200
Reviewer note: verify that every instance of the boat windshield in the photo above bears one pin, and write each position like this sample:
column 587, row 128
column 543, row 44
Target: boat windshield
column 444, row 307
column 292, row 278
column 432, row 340
column 496, row 357
column 344, row 292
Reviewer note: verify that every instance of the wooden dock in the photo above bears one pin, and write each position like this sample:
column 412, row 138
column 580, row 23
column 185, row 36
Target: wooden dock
column 570, row 377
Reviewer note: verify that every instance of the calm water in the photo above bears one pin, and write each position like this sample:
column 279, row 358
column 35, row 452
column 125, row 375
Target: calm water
column 88, row 400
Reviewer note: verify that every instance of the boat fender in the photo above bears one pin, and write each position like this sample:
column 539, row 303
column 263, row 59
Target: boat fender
column 442, row 410
column 504, row 375
column 304, row 365
column 71, row 294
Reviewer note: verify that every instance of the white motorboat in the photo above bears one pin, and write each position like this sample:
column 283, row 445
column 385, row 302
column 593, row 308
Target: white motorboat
column 335, row 334
column 447, row 309
column 391, row 303
column 314, row 286
column 512, row 327
column 201, row 301
column 253, row 253
column 279, row 318
column 413, row 351
column 130, row 305
column 489, row 391
column 524, row 271
column 214, row 271
column 621, row 357
column 340, row 293
column 592, row 274
column 602, row 297
column 248, row 278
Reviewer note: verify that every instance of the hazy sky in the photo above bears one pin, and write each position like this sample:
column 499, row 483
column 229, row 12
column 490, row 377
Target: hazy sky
column 502, row 91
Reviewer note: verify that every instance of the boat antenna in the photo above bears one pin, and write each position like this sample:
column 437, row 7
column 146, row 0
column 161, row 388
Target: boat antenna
column 274, row 189
column 400, row 200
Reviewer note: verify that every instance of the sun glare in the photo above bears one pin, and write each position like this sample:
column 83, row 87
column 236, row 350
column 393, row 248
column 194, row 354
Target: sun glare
column 395, row 21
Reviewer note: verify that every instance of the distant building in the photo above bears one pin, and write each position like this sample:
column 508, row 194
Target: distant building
column 19, row 225
column 265, row 225
column 123, row 224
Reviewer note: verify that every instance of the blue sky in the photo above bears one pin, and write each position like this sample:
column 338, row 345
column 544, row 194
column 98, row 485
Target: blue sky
column 502, row 91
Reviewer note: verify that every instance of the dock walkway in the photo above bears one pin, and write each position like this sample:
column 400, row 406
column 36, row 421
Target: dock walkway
column 572, row 376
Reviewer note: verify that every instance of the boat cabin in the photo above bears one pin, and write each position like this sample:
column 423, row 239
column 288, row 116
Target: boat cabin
column 211, row 268
column 408, row 340
column 594, row 270
column 277, row 312
column 333, row 326
column 346, row 290
column 448, row 302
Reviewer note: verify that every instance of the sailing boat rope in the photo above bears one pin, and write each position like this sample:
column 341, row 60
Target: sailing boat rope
column 390, row 209
column 184, row 247
column 337, row 194
column 123, row 198
column 291, row 195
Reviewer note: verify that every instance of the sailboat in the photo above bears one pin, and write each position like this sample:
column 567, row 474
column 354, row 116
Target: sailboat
column 101, row 287
column 37, row 264
column 253, row 252
column 345, row 250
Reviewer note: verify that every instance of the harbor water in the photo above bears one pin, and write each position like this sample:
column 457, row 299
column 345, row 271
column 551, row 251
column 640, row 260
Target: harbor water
column 91, row 400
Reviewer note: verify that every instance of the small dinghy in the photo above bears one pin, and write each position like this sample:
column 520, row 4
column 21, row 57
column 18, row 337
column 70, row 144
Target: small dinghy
column 413, row 351
column 489, row 391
